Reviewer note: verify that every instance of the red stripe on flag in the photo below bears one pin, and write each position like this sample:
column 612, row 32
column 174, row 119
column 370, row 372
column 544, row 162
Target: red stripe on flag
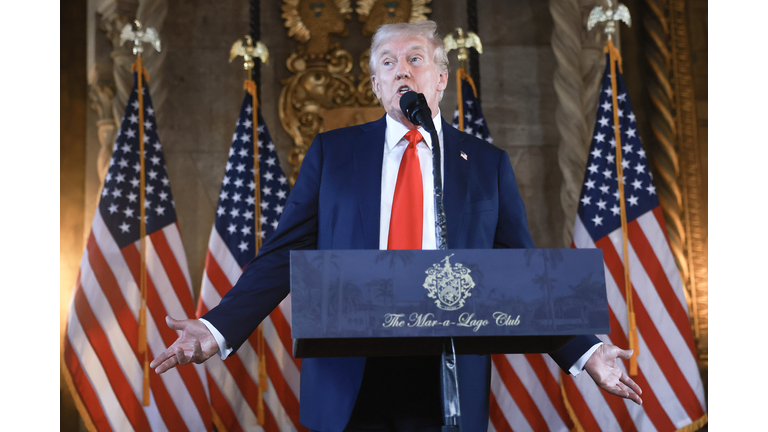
column 155, row 305
column 579, row 405
column 519, row 393
column 284, row 331
column 497, row 416
column 174, row 272
column 100, row 344
column 655, row 272
column 111, row 289
column 216, row 275
column 550, row 385
column 284, row 393
column 651, row 405
column 653, row 339
column 83, row 386
column 250, row 390
column 222, row 408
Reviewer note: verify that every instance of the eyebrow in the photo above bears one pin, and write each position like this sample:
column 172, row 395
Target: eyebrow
column 411, row 48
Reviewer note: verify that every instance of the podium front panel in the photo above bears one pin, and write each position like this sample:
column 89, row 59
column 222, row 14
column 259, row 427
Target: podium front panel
column 406, row 302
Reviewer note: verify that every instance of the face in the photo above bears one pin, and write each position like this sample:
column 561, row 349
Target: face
column 405, row 64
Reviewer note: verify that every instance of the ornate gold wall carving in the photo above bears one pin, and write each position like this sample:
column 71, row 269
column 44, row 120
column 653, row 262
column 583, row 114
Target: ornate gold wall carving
column 689, row 178
column 675, row 153
column 322, row 93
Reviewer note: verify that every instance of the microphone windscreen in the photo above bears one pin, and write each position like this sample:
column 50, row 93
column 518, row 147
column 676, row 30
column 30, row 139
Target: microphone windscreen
column 407, row 100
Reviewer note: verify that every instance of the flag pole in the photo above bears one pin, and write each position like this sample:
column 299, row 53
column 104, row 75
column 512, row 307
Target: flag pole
column 249, row 51
column 614, row 56
column 462, row 43
column 139, row 36
column 611, row 16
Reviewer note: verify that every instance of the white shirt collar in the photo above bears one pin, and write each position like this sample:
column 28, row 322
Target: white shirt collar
column 396, row 131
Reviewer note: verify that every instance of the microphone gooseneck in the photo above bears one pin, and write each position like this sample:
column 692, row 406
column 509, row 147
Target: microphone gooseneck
column 414, row 106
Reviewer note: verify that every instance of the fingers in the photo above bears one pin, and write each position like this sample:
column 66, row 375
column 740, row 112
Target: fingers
column 625, row 354
column 629, row 382
column 175, row 324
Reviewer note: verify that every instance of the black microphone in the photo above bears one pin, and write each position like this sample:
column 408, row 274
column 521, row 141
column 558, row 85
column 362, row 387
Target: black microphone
column 414, row 106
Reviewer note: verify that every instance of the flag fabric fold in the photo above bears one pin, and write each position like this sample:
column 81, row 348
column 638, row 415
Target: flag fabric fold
column 234, row 383
column 102, row 363
column 525, row 388
column 673, row 393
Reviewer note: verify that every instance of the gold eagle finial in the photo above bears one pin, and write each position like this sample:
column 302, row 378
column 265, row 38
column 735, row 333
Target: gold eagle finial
column 249, row 51
column 606, row 14
column 462, row 43
column 139, row 37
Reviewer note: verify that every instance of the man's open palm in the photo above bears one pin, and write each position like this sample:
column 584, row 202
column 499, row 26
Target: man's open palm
column 195, row 344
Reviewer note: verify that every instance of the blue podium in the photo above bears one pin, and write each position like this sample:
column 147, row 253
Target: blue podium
column 408, row 302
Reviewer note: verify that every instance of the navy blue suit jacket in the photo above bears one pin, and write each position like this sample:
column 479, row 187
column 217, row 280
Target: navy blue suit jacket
column 335, row 204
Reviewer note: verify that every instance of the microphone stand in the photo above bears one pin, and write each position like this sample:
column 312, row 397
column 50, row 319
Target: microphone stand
column 449, row 382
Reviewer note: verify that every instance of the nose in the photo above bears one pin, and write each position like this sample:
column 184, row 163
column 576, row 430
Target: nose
column 403, row 70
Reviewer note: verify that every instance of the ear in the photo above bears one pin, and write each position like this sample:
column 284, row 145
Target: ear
column 442, row 82
column 375, row 87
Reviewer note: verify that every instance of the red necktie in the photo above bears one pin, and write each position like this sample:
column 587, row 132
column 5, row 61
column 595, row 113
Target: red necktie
column 406, row 224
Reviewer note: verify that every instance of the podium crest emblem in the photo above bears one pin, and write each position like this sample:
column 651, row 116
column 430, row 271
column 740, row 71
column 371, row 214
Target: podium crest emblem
column 448, row 285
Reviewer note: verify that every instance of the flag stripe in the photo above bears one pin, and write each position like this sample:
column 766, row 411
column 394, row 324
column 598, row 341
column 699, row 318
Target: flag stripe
column 218, row 279
column 100, row 344
column 84, row 388
column 497, row 417
column 658, row 388
column 167, row 335
column 171, row 267
column 579, row 405
column 550, row 385
column 222, row 408
column 657, row 346
column 522, row 398
column 283, row 330
column 106, row 279
column 655, row 272
column 288, row 399
column 125, row 354
column 656, row 232
column 511, row 412
column 223, row 383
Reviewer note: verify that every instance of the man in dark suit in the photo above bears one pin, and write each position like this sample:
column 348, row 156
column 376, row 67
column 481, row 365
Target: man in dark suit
column 356, row 190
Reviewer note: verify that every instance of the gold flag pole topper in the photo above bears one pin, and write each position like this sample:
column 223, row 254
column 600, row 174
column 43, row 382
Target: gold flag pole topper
column 139, row 36
column 249, row 51
column 463, row 44
column 610, row 16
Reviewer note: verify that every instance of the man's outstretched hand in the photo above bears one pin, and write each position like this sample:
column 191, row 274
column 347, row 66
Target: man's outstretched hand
column 603, row 368
column 195, row 344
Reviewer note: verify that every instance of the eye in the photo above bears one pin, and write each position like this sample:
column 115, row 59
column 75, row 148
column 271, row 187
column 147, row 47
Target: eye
column 415, row 59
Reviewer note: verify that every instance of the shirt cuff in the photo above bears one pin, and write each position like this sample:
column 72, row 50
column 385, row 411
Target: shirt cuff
column 224, row 349
column 577, row 367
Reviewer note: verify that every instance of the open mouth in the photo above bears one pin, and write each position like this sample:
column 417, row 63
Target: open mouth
column 403, row 90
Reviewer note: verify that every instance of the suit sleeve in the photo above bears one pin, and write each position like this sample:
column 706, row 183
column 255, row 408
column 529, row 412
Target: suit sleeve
column 265, row 281
column 512, row 232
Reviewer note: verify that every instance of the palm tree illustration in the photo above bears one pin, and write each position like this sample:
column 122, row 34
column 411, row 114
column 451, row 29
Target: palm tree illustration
column 550, row 257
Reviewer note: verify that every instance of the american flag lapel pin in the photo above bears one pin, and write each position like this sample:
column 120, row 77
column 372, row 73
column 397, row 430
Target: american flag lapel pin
column 464, row 155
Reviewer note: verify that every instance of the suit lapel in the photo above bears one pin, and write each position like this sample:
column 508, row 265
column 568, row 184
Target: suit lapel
column 455, row 180
column 368, row 156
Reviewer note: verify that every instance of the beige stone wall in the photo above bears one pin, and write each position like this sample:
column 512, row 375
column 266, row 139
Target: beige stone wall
column 204, row 93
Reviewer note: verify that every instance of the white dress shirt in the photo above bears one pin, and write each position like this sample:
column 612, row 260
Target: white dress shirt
column 394, row 148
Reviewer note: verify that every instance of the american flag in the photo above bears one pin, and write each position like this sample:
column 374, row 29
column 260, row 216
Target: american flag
column 474, row 122
column 234, row 383
column 673, row 394
column 102, row 336
column 525, row 388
